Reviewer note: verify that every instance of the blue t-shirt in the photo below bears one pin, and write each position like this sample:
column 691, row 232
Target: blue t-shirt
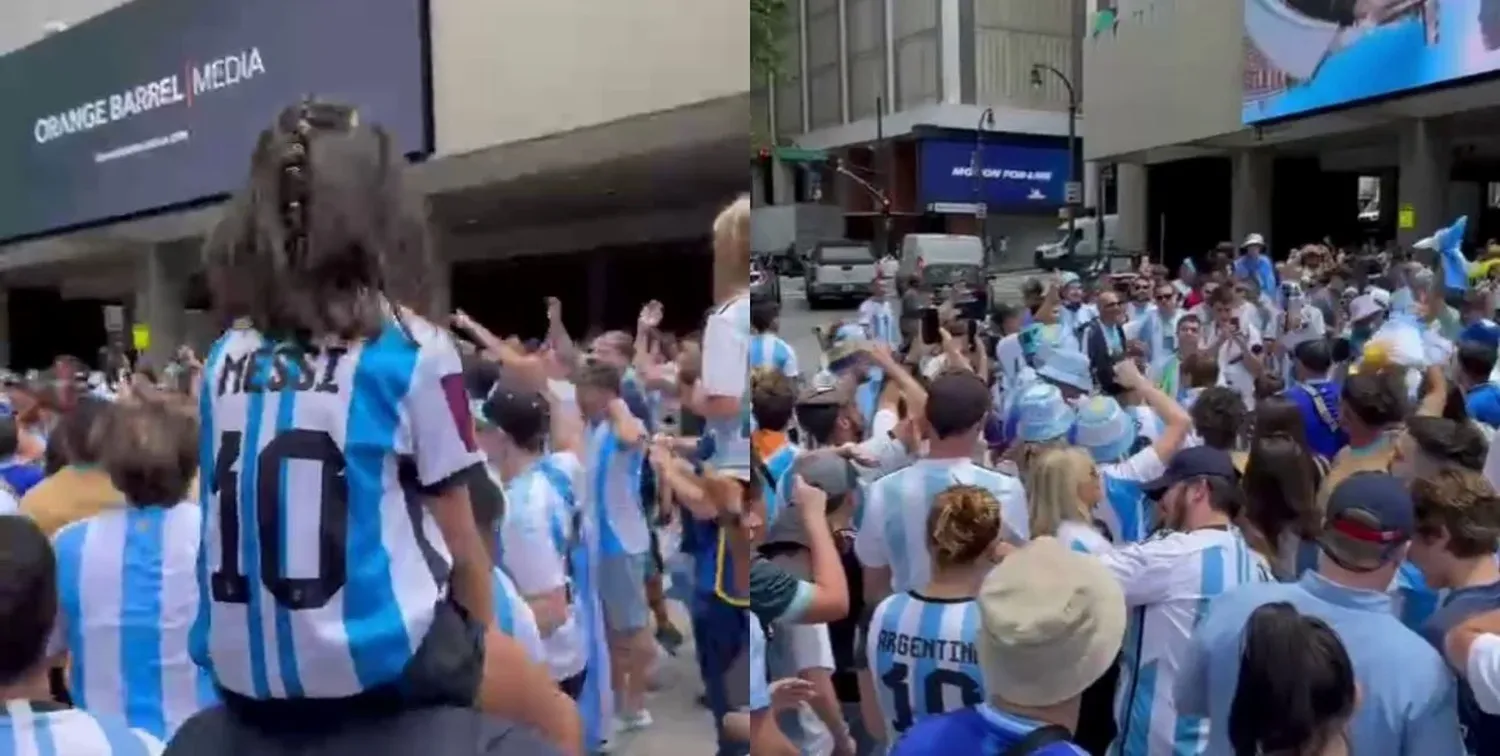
column 1481, row 731
column 1483, row 403
column 1318, row 401
column 21, row 477
column 981, row 729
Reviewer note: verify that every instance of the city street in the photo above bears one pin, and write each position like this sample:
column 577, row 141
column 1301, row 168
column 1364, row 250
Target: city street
column 798, row 320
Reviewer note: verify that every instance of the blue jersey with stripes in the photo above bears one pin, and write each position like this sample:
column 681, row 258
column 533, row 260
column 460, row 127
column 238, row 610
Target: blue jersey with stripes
column 613, row 471
column 47, row 729
column 1169, row 581
column 892, row 524
column 321, row 567
column 880, row 322
column 770, row 351
column 127, row 599
column 921, row 654
column 779, row 465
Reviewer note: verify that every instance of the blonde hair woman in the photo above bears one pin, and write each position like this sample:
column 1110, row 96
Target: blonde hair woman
column 1063, row 489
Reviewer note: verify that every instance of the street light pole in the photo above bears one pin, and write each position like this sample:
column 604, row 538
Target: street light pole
column 883, row 233
column 1036, row 82
column 976, row 178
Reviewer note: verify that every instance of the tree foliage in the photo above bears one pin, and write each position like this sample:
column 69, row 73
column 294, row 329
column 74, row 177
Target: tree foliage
column 768, row 22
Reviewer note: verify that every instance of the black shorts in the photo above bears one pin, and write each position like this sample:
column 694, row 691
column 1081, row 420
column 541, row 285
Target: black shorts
column 446, row 671
column 656, row 565
column 573, row 686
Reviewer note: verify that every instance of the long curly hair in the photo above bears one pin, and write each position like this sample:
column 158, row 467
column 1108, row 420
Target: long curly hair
column 324, row 238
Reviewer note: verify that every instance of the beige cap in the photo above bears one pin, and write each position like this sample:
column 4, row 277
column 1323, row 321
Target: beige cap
column 1051, row 622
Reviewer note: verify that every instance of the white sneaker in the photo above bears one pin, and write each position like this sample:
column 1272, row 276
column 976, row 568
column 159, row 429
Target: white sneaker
column 631, row 722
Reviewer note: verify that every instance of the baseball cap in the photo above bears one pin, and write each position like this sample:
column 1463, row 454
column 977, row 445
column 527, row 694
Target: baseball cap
column 1196, row 462
column 520, row 412
column 1051, row 622
column 1369, row 517
column 828, row 472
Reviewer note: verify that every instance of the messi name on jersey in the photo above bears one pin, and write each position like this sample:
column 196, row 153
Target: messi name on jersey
column 917, row 647
column 279, row 368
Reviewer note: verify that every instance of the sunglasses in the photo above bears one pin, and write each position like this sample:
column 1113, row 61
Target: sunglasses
column 1166, row 296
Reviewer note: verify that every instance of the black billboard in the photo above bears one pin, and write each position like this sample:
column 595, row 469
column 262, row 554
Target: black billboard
column 157, row 103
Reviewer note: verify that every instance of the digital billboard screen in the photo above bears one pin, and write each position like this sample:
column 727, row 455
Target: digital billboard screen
column 1308, row 55
column 157, row 103
column 1012, row 177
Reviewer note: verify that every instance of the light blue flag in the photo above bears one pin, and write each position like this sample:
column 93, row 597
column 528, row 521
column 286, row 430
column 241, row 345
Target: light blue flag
column 1449, row 244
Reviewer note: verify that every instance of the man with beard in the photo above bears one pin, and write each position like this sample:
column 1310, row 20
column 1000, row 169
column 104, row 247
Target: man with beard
column 1167, row 581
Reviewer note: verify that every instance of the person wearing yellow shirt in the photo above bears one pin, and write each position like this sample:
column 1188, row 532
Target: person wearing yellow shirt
column 79, row 489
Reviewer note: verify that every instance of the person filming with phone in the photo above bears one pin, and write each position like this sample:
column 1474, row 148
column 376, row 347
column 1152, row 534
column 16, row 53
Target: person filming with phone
column 1236, row 341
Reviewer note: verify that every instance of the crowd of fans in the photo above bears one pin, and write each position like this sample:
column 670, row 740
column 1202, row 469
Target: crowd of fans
column 1249, row 508
column 358, row 526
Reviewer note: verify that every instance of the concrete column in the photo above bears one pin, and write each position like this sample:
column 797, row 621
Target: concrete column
column 1250, row 196
column 783, row 188
column 598, row 273
column 1424, row 166
column 161, row 282
column 1091, row 184
column 1134, row 227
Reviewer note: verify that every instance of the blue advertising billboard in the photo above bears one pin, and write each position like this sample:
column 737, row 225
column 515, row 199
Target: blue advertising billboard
column 1308, row 55
column 1012, row 177
column 157, row 103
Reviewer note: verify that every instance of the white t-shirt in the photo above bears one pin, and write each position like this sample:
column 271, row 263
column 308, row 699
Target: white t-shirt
column 534, row 536
column 1483, row 672
column 1232, row 370
column 726, row 357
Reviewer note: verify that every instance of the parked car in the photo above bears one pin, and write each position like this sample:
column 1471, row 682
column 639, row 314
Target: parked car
column 839, row 270
column 942, row 261
column 765, row 285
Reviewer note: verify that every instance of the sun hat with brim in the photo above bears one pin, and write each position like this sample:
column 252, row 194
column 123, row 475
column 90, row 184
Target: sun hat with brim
column 1370, row 516
column 1068, row 367
column 1041, row 414
column 1105, row 429
column 1363, row 307
column 1051, row 622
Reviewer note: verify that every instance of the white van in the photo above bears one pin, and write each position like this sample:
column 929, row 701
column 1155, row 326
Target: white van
column 942, row 260
column 1087, row 243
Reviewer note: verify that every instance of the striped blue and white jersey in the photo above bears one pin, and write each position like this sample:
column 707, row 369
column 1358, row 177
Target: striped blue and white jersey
column 321, row 567
column 513, row 617
column 536, row 535
column 1169, row 581
column 127, row 600
column 47, row 729
column 892, row 524
column 613, row 474
column 921, row 654
column 1082, row 537
column 880, row 322
column 726, row 361
column 768, row 350
column 779, row 465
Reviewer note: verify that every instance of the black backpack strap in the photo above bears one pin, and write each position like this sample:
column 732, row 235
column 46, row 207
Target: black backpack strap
column 1038, row 739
